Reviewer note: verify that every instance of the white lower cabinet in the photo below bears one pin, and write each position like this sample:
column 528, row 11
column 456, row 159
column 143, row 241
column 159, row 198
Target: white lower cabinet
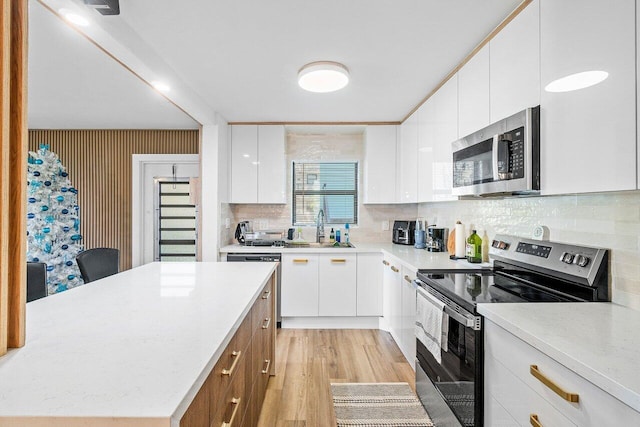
column 299, row 289
column 337, row 285
column 510, row 382
column 408, row 316
column 369, row 285
column 331, row 285
column 399, row 305
column 392, row 296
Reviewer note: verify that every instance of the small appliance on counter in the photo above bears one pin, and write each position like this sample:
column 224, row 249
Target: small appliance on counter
column 242, row 229
column 437, row 239
column 404, row 232
column 265, row 238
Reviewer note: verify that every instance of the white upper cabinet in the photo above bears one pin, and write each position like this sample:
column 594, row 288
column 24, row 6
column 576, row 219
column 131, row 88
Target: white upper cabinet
column 272, row 167
column 515, row 65
column 244, row 164
column 588, row 136
column 437, row 129
column 473, row 93
column 380, row 164
column 408, row 160
column 445, row 107
column 258, row 166
column 426, row 151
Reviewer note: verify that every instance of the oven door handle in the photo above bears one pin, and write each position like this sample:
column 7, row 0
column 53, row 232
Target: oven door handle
column 466, row 318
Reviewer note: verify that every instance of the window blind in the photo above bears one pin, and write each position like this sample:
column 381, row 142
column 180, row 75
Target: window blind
column 331, row 186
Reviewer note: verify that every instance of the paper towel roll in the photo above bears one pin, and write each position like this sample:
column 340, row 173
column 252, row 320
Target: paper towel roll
column 461, row 241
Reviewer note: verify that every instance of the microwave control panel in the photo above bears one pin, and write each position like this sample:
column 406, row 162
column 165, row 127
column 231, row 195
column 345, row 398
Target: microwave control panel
column 516, row 153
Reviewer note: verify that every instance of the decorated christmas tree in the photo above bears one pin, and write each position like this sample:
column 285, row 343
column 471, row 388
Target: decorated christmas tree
column 53, row 221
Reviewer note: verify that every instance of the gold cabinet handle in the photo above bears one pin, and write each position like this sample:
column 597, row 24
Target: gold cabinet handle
column 266, row 370
column 407, row 278
column 236, row 355
column 301, row 260
column 266, row 294
column 338, row 260
column 266, row 322
column 394, row 269
column 385, row 262
column 569, row 397
column 535, row 422
column 236, row 402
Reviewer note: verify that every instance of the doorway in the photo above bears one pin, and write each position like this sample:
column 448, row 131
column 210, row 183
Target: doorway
column 148, row 171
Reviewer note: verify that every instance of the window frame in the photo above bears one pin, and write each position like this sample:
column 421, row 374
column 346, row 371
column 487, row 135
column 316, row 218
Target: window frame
column 355, row 193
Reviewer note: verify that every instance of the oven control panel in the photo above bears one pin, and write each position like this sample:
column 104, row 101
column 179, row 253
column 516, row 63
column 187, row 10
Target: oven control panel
column 534, row 249
column 581, row 263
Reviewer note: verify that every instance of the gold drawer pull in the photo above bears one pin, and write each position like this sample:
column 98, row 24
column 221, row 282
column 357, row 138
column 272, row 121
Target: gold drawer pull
column 407, row 278
column 236, row 402
column 266, row 322
column 266, row 294
column 229, row 371
column 301, row 260
column 394, row 269
column 266, row 370
column 535, row 422
column 385, row 262
column 338, row 260
column 569, row 397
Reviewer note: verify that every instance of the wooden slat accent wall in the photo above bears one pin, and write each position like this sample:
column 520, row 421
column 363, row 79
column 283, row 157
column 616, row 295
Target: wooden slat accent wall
column 99, row 166
column 13, row 176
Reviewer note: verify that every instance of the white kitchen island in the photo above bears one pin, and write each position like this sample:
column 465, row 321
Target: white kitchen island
column 131, row 349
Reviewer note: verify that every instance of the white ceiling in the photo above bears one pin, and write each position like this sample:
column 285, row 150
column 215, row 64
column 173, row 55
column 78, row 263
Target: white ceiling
column 74, row 85
column 240, row 58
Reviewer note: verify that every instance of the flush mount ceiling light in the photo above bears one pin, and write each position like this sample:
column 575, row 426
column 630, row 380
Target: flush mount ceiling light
column 161, row 86
column 323, row 76
column 577, row 81
column 74, row 18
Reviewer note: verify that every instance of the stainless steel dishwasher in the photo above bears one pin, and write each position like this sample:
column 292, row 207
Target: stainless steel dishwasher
column 273, row 257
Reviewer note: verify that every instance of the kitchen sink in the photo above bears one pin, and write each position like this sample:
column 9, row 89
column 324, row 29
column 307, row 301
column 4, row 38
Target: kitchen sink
column 319, row 245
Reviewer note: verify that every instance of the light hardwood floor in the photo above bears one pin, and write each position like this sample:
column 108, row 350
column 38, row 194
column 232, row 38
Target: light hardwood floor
column 308, row 360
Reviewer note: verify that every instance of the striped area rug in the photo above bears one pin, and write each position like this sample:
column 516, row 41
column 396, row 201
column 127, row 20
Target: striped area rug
column 378, row 405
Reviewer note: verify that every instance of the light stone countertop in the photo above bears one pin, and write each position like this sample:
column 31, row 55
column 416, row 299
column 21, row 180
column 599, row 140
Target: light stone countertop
column 131, row 349
column 598, row 341
column 409, row 256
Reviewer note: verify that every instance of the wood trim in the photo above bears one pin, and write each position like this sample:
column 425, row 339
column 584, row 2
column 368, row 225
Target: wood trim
column 316, row 123
column 5, row 15
column 18, row 174
column 471, row 54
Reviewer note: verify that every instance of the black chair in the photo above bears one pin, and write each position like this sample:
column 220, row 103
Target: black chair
column 36, row 280
column 98, row 263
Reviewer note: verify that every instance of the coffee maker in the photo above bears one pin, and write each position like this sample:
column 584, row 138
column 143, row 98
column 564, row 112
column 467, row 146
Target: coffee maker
column 404, row 232
column 437, row 239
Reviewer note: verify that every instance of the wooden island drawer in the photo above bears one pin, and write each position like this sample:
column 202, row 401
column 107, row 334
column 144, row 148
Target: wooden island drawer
column 262, row 308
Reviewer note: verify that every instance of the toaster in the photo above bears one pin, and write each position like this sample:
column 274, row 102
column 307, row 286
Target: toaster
column 404, row 232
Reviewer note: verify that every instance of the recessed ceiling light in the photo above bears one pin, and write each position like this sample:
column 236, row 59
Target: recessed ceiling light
column 161, row 86
column 74, row 18
column 577, row 81
column 323, row 76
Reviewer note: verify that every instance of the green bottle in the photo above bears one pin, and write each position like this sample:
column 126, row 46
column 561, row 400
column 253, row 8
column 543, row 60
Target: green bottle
column 332, row 236
column 474, row 248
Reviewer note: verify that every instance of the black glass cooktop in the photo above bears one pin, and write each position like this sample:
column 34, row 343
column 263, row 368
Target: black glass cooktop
column 471, row 288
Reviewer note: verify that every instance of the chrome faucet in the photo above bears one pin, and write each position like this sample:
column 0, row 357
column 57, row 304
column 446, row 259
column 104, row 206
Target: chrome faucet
column 320, row 226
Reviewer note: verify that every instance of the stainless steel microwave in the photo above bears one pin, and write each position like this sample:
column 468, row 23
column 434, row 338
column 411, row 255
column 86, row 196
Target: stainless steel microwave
column 503, row 158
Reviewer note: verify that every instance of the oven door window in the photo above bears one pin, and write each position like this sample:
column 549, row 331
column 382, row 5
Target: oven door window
column 474, row 164
column 455, row 376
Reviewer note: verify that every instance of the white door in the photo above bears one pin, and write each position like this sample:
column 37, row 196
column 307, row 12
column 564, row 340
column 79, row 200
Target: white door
column 146, row 170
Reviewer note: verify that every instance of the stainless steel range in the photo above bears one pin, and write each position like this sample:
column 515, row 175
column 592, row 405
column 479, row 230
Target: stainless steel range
column 449, row 378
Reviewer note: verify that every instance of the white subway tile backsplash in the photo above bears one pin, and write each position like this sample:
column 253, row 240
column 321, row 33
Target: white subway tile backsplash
column 609, row 220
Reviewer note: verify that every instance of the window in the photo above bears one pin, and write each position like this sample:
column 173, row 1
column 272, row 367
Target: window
column 176, row 231
column 332, row 187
